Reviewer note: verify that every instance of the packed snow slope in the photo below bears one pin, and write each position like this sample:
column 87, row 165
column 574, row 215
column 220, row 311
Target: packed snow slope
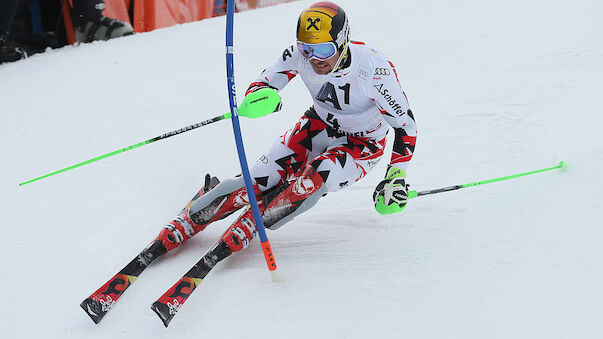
column 497, row 87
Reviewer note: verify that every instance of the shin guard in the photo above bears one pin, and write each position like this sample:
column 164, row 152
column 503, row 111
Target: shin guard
column 291, row 199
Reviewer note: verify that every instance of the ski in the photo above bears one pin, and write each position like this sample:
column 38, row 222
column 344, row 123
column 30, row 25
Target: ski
column 103, row 299
column 171, row 301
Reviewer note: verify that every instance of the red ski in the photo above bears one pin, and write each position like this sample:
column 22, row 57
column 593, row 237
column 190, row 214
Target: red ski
column 170, row 302
column 101, row 301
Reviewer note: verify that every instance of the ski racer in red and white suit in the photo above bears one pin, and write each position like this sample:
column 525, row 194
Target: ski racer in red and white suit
column 334, row 144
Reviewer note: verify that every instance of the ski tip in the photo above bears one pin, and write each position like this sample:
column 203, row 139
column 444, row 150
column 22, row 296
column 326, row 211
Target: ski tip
column 93, row 309
column 162, row 312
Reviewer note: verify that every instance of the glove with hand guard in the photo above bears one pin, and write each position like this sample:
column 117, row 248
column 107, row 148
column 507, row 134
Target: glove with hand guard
column 260, row 101
column 391, row 193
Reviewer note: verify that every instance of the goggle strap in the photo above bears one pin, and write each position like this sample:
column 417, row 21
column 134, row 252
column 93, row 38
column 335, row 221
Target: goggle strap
column 341, row 55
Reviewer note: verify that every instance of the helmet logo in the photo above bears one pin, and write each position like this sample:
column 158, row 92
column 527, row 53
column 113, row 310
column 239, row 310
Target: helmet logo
column 312, row 23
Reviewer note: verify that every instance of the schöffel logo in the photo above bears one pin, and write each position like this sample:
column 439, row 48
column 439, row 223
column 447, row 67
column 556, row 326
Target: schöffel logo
column 382, row 71
column 390, row 100
column 314, row 22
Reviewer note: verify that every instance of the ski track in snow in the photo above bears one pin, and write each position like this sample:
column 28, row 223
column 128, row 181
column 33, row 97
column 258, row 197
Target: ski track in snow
column 496, row 88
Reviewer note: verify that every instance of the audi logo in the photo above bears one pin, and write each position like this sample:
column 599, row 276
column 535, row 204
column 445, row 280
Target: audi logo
column 382, row 71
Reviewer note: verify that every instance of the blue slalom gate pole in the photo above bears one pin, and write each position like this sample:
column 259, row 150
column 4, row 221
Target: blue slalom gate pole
column 232, row 96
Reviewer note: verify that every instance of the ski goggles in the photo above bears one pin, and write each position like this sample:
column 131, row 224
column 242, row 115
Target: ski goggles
column 320, row 51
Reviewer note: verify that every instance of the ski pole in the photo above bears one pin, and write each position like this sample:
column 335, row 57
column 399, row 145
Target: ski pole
column 261, row 103
column 122, row 150
column 413, row 194
column 257, row 216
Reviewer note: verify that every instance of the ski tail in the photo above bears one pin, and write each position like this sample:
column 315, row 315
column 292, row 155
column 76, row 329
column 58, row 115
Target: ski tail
column 171, row 301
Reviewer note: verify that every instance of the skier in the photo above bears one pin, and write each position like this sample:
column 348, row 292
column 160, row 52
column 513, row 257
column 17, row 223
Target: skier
column 357, row 98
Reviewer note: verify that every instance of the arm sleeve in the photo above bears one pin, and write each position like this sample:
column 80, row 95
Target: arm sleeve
column 278, row 75
column 393, row 105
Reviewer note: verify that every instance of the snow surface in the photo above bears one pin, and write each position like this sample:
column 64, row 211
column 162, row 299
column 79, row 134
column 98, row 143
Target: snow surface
column 497, row 87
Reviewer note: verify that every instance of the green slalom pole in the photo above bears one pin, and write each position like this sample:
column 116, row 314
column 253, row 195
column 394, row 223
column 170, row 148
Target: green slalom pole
column 257, row 104
column 413, row 194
